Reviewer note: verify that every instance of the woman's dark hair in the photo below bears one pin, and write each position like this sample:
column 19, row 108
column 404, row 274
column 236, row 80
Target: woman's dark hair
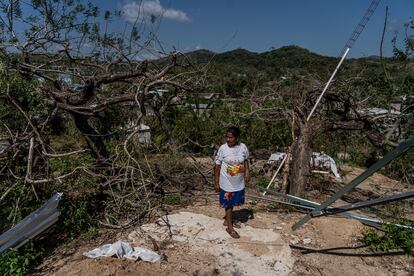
column 235, row 131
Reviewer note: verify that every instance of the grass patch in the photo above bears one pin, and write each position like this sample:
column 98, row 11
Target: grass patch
column 172, row 199
column 263, row 181
column 394, row 238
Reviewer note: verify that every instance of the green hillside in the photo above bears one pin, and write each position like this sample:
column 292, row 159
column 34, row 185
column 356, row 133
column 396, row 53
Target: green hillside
column 239, row 70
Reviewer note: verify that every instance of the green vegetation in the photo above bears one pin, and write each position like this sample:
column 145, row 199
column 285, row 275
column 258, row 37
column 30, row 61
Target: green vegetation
column 172, row 199
column 263, row 181
column 76, row 219
column 18, row 262
column 394, row 238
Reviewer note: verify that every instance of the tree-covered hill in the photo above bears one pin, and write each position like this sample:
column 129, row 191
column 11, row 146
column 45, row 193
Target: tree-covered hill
column 283, row 58
column 240, row 69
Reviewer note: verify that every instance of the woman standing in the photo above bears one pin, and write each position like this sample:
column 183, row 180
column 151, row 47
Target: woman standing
column 231, row 172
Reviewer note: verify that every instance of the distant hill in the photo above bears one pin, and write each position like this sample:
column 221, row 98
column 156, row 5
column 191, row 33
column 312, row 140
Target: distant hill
column 240, row 71
column 290, row 59
column 243, row 55
column 275, row 60
column 200, row 56
column 291, row 54
column 238, row 56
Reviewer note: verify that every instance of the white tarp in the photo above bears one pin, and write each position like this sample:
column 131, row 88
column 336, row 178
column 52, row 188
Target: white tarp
column 122, row 249
column 277, row 157
column 322, row 160
column 319, row 160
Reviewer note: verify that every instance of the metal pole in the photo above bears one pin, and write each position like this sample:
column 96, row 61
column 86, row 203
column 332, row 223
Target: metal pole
column 367, row 203
column 279, row 201
column 304, row 203
column 328, row 83
column 292, row 198
column 370, row 221
column 310, row 205
column 277, row 171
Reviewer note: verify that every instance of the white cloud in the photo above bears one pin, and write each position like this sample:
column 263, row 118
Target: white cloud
column 143, row 10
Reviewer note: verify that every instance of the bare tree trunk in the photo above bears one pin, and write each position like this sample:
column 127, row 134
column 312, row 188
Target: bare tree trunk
column 164, row 124
column 301, row 156
column 92, row 137
column 286, row 167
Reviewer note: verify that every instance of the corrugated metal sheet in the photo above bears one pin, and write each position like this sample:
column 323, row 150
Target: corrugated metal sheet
column 32, row 225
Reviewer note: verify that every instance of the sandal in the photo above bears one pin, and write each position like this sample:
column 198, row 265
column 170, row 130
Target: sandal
column 233, row 234
column 236, row 224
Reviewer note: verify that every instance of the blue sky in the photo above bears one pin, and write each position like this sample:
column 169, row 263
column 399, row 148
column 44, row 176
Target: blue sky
column 322, row 26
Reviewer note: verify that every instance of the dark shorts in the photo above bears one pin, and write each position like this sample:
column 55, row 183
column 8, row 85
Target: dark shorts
column 231, row 199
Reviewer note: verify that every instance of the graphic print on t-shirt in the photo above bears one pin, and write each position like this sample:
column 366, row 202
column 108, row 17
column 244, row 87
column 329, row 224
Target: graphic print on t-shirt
column 234, row 167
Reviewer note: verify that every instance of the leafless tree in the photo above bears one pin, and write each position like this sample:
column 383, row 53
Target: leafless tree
column 343, row 107
column 80, row 64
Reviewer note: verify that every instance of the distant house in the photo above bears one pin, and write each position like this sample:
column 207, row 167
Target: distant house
column 4, row 146
column 201, row 108
column 210, row 96
column 394, row 108
column 65, row 77
column 142, row 135
column 159, row 92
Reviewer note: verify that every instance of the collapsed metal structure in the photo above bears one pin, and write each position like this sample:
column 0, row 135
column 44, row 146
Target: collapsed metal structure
column 324, row 209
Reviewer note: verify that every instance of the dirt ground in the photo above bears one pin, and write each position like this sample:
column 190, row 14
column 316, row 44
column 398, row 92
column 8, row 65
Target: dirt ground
column 192, row 241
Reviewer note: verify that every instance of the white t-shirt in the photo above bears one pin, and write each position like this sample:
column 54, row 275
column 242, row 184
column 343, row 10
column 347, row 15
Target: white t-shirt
column 232, row 160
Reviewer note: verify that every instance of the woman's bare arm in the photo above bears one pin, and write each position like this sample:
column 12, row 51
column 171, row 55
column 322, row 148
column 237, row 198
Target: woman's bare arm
column 217, row 177
column 246, row 172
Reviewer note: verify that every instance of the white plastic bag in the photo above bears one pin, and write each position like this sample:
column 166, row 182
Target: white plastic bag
column 122, row 249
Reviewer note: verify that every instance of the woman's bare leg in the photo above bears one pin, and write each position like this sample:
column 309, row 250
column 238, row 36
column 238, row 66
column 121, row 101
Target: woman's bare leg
column 230, row 229
column 229, row 218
